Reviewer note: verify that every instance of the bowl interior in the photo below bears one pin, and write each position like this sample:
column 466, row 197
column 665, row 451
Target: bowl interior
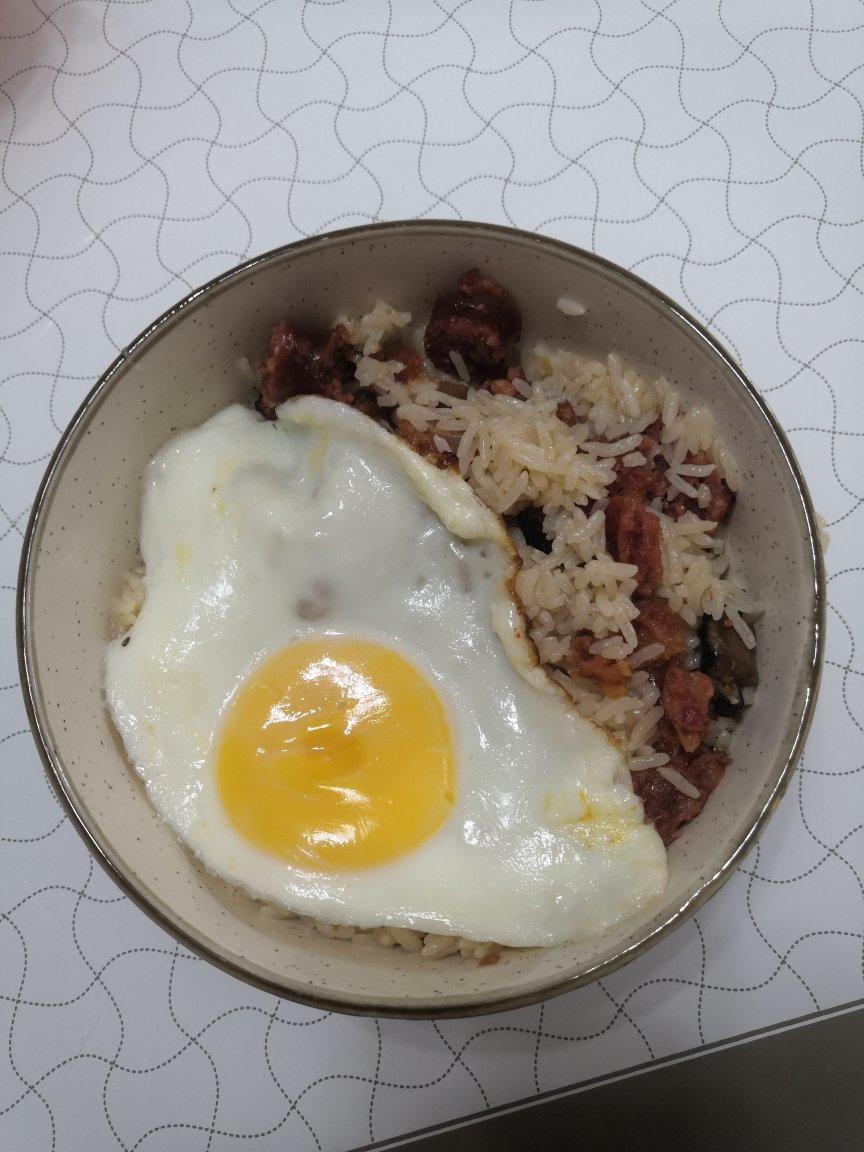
column 85, row 537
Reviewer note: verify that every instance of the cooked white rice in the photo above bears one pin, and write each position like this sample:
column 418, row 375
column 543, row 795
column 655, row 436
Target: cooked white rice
column 127, row 604
column 822, row 530
column 570, row 307
column 427, row 945
column 377, row 326
column 515, row 453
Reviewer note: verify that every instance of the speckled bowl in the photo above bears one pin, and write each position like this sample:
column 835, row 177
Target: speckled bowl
column 83, row 535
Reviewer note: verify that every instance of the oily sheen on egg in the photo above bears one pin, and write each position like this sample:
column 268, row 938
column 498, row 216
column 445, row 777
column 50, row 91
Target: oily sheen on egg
column 329, row 695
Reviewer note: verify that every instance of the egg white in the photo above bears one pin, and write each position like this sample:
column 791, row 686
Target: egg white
column 257, row 534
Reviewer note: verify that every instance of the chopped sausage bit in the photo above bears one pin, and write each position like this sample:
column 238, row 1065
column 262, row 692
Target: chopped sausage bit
column 647, row 481
column 303, row 361
column 479, row 321
column 722, row 498
column 423, row 444
column 504, row 388
column 365, row 401
column 666, row 807
column 633, row 537
column 685, row 698
column 658, row 624
column 611, row 675
column 705, row 770
column 411, row 361
column 566, row 413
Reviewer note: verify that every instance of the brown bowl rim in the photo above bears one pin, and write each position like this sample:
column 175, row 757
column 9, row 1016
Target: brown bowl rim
column 155, row 908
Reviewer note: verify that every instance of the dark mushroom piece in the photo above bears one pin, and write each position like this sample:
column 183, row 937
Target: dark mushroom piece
column 729, row 663
column 530, row 523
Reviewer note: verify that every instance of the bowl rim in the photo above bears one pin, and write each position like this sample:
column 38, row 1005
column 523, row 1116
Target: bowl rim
column 112, row 861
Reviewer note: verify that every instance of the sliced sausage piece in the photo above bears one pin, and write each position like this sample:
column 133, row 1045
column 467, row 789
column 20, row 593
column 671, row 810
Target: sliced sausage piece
column 423, row 444
column 480, row 321
column 658, row 624
column 705, row 770
column 566, row 413
column 646, row 481
column 666, row 806
column 722, row 497
column 633, row 537
column 365, row 401
column 303, row 361
column 611, row 675
column 685, row 697
column 411, row 361
column 504, row 388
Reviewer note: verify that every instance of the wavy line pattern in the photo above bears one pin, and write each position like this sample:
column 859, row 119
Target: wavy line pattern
column 147, row 145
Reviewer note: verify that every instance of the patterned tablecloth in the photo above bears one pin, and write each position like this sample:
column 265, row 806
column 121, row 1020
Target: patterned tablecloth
column 148, row 145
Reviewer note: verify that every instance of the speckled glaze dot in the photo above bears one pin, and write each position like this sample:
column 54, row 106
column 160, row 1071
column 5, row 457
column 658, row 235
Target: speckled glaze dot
column 83, row 537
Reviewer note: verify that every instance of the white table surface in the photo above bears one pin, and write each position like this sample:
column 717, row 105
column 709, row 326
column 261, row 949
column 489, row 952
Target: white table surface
column 148, row 145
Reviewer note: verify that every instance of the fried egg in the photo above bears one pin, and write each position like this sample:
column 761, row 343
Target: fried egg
column 331, row 698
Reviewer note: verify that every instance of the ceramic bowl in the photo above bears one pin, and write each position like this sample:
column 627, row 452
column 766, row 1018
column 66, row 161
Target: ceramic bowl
column 83, row 536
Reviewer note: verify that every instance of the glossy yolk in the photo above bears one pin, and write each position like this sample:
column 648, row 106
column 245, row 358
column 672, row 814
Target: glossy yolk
column 336, row 754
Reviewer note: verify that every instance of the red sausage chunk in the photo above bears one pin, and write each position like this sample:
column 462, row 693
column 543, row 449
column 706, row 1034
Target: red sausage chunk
column 633, row 537
column 480, row 321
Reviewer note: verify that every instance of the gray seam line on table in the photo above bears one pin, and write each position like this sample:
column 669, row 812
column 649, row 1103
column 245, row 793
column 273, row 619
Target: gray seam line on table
column 615, row 1077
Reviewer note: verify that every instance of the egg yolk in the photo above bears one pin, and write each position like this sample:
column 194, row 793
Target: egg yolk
column 336, row 753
